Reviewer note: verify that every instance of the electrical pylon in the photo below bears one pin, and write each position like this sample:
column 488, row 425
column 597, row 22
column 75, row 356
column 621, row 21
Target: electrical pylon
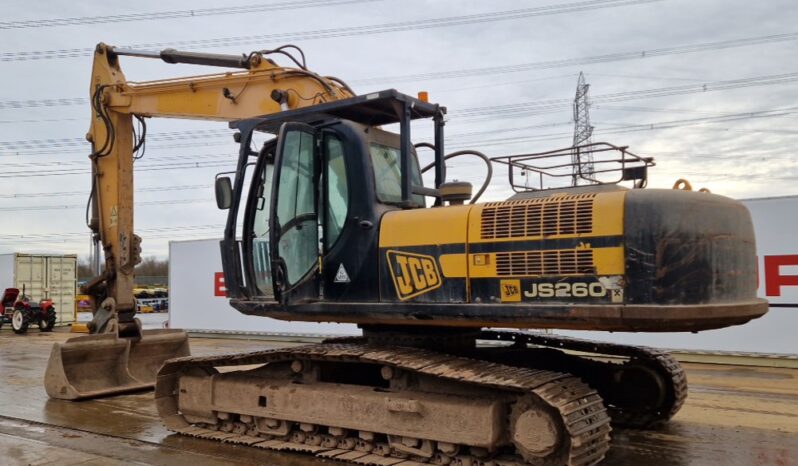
column 582, row 160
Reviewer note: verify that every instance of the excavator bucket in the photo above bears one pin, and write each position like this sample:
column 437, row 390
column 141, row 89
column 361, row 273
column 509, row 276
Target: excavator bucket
column 96, row 366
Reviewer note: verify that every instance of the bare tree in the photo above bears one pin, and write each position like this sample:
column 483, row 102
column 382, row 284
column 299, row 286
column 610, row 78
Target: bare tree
column 151, row 269
column 84, row 269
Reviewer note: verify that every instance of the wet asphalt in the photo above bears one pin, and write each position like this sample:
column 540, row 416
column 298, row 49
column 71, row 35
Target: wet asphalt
column 734, row 415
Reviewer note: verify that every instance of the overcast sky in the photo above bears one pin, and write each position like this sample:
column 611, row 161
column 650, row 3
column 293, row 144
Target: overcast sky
column 723, row 73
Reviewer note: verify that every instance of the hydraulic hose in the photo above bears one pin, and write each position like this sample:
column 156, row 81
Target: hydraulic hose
column 452, row 155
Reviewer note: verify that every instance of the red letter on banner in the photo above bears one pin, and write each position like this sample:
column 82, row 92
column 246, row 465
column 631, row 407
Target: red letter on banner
column 218, row 285
column 774, row 280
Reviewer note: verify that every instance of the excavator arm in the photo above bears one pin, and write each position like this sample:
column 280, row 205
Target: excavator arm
column 83, row 367
column 262, row 88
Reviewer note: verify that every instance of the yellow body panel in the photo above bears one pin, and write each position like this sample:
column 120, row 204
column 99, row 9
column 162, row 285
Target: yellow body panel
column 454, row 265
column 609, row 261
column 425, row 227
column 427, row 231
column 608, row 213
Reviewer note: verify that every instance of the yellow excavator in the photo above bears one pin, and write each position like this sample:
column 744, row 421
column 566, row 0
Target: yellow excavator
column 329, row 221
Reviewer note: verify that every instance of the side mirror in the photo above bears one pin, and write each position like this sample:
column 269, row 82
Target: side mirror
column 224, row 192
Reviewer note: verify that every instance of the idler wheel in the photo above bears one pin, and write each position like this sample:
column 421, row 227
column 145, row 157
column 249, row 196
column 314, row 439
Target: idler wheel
column 641, row 388
column 535, row 430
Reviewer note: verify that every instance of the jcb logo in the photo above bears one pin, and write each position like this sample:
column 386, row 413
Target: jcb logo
column 510, row 291
column 413, row 274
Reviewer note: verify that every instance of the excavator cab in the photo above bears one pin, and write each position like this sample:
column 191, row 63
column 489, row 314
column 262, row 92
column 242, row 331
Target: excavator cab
column 311, row 214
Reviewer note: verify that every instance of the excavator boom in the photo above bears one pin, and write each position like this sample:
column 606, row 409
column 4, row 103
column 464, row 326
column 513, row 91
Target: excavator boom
column 120, row 356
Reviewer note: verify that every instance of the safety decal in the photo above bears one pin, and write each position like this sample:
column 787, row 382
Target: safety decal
column 341, row 276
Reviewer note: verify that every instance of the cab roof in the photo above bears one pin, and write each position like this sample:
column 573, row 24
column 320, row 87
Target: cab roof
column 373, row 109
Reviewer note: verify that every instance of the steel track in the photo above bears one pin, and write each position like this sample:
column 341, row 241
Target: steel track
column 585, row 424
column 671, row 372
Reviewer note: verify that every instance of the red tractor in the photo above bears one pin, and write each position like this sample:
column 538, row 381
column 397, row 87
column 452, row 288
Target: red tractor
column 19, row 311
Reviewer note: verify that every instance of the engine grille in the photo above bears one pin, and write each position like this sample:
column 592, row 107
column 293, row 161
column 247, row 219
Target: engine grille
column 547, row 262
column 561, row 215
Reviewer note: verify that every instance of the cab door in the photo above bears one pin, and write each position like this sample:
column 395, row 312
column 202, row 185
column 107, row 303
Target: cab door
column 294, row 229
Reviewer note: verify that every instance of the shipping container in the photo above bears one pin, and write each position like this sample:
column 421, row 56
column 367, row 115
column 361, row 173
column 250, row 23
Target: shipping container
column 197, row 299
column 43, row 276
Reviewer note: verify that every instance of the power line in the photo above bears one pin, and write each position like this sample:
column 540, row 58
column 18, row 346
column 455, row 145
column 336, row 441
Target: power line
column 150, row 240
column 83, row 151
column 546, row 106
column 31, row 103
column 82, row 233
column 187, row 231
column 494, row 111
column 643, row 126
column 173, row 14
column 177, row 233
column 186, row 161
column 192, row 157
column 637, row 108
column 81, row 142
column 465, row 73
column 44, row 120
column 506, row 130
column 705, row 120
column 550, row 104
column 648, row 78
column 164, row 167
column 677, row 154
column 759, row 114
column 736, row 130
column 504, row 83
column 644, row 93
column 83, row 206
column 84, row 192
column 149, row 161
column 485, row 17
column 612, row 57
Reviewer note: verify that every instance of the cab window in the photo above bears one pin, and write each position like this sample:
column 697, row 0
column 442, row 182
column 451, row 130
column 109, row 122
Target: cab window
column 388, row 176
column 260, row 232
column 296, row 206
column 337, row 190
